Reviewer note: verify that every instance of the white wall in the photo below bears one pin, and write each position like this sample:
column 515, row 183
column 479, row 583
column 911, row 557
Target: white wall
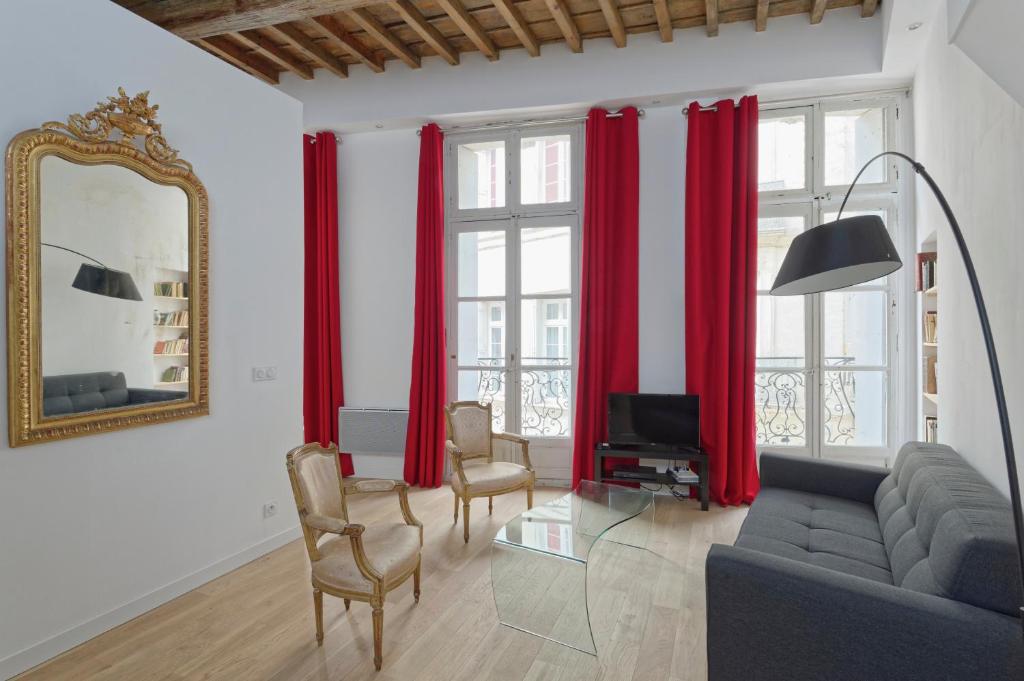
column 970, row 136
column 95, row 530
column 989, row 33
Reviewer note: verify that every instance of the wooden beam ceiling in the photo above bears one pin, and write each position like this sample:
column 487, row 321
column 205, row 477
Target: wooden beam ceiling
column 268, row 37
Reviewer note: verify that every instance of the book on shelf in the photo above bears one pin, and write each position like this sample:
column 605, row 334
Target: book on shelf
column 173, row 318
column 171, row 289
column 174, row 374
column 931, row 429
column 177, row 346
column 931, row 326
column 931, row 383
column 926, row 271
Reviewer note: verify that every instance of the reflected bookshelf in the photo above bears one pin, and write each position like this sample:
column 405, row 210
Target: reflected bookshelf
column 927, row 286
column 170, row 329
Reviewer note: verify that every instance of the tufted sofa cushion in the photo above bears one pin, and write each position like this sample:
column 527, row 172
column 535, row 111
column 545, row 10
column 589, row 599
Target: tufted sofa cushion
column 73, row 393
column 946, row 531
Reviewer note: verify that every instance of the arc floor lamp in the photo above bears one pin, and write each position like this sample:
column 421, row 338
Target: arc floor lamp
column 856, row 250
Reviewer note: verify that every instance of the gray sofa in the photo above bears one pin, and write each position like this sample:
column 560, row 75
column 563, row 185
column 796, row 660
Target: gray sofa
column 852, row 573
column 76, row 393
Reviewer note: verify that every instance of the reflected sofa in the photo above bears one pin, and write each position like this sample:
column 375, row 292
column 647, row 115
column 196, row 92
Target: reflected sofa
column 75, row 393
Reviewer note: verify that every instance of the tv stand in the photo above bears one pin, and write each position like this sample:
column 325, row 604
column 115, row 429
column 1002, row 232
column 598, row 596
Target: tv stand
column 693, row 454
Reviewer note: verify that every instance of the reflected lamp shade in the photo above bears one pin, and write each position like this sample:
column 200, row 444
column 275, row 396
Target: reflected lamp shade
column 836, row 255
column 106, row 282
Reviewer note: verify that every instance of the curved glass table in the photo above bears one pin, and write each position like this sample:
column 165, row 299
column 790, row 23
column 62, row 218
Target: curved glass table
column 540, row 562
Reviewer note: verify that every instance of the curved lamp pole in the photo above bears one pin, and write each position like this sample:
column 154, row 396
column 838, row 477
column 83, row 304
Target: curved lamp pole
column 855, row 250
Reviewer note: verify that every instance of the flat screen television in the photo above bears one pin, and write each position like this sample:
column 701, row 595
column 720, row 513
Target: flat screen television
column 640, row 419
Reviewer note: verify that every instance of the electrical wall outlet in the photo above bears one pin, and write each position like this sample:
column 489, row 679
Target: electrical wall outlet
column 264, row 373
column 270, row 509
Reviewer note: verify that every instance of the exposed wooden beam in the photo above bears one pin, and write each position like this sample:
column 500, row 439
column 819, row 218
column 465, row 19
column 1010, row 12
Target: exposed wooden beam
column 272, row 51
column 335, row 30
column 711, row 17
column 389, row 40
column 761, row 21
column 563, row 17
column 818, row 11
column 514, row 18
column 234, row 53
column 470, row 26
column 664, row 20
column 191, row 19
column 311, row 49
column 614, row 20
column 425, row 29
column 868, row 8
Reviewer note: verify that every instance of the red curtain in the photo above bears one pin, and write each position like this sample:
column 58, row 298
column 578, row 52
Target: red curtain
column 609, row 281
column 424, row 441
column 721, row 269
column 322, row 381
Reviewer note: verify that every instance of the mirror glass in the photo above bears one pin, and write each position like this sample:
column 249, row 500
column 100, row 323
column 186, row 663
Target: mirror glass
column 114, row 292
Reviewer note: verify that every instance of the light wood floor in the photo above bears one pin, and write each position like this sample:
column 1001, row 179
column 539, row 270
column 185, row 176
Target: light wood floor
column 257, row 622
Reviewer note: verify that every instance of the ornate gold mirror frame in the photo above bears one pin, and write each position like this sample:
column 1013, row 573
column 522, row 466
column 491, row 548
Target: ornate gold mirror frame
column 105, row 135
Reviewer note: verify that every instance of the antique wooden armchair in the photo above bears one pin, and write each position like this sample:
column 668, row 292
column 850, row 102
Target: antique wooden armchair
column 351, row 561
column 472, row 447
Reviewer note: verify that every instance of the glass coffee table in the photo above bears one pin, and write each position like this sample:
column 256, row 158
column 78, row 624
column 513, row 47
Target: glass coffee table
column 540, row 561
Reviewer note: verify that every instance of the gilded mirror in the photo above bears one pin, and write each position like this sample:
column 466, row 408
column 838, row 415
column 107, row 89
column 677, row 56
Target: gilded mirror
column 106, row 276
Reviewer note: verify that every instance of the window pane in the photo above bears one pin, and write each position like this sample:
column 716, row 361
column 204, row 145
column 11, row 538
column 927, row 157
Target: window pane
column 545, row 167
column 481, row 337
column 780, row 414
column 780, row 331
column 852, row 137
column 481, row 264
column 546, row 260
column 487, row 387
column 545, row 402
column 781, row 149
column 854, row 406
column 774, row 236
column 482, row 174
column 545, row 328
column 855, row 324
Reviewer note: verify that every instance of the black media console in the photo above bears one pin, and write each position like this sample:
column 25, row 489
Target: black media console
column 692, row 454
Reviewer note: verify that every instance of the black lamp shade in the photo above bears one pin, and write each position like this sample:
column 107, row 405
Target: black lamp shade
column 836, row 255
column 106, row 282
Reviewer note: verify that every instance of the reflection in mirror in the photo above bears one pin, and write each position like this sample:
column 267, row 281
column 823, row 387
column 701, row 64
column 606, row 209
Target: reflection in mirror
column 113, row 288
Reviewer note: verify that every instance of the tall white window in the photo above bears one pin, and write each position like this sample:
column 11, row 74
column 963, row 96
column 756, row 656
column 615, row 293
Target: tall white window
column 513, row 203
column 826, row 363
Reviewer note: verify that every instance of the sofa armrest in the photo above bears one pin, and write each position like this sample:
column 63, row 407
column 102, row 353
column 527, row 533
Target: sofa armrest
column 774, row 618
column 145, row 395
column 846, row 480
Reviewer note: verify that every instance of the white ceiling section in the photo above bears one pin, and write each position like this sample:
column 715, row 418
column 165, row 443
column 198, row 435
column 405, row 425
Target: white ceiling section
column 738, row 59
column 989, row 32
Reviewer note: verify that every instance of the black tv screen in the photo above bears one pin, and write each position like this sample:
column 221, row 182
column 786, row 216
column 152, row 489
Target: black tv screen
column 655, row 420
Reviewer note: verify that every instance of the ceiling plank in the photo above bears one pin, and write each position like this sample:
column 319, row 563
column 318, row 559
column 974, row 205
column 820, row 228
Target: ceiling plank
column 818, row 11
column 234, row 53
column 868, row 8
column 614, row 19
column 470, row 26
column 433, row 37
column 308, row 46
column 374, row 27
column 664, row 20
column 191, row 19
column 761, row 21
column 711, row 17
column 514, row 18
column 335, row 30
column 272, row 51
column 563, row 17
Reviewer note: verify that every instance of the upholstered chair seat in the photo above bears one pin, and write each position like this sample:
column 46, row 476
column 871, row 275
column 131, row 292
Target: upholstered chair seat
column 473, row 449
column 347, row 560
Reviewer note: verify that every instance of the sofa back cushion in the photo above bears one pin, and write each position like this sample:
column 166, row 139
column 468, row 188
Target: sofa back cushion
column 73, row 393
column 947, row 531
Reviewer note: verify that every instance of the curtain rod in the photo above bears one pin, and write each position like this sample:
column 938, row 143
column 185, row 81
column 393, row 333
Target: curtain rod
column 497, row 125
column 807, row 100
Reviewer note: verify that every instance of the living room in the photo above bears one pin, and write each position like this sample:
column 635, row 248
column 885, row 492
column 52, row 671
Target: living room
column 661, row 279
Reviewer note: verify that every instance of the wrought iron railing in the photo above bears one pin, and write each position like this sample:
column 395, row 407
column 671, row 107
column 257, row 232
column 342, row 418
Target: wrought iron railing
column 544, row 401
column 780, row 414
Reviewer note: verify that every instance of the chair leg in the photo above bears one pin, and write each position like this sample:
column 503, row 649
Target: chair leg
column 529, row 497
column 348, row 603
column 378, row 634
column 465, row 520
column 318, row 611
column 490, row 505
column 456, row 508
column 416, row 583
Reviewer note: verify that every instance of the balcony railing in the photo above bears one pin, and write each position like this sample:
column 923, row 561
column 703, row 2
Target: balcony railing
column 544, row 403
column 780, row 395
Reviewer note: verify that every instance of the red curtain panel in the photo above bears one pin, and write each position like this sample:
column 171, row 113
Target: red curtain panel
column 424, row 441
column 721, row 269
column 609, row 281
column 322, row 379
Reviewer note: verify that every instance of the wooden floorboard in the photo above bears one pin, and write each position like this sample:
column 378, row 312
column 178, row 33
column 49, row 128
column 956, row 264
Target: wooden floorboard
column 257, row 621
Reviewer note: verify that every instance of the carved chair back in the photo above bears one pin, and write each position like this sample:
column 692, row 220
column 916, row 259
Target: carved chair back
column 468, row 425
column 317, row 485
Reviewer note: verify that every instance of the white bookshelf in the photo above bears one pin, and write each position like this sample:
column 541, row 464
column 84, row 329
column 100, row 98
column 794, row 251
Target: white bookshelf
column 162, row 305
